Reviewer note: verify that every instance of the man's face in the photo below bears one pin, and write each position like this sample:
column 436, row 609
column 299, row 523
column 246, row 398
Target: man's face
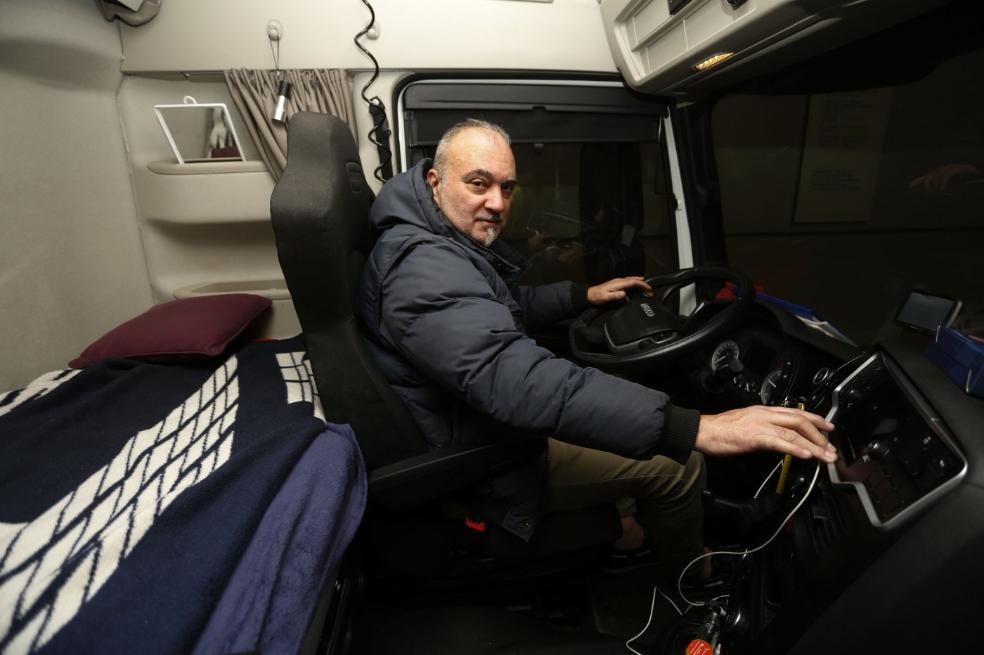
column 478, row 182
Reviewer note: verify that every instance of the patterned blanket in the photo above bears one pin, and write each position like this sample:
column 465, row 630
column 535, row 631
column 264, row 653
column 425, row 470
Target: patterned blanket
column 162, row 507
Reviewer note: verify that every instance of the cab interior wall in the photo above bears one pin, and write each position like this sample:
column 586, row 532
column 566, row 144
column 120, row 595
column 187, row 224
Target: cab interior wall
column 117, row 237
column 71, row 261
column 565, row 35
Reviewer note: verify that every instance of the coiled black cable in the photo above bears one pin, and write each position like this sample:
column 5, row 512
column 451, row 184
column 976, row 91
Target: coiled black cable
column 380, row 133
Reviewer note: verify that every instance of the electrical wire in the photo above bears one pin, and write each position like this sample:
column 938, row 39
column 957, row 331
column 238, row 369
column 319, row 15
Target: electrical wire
column 379, row 134
column 813, row 482
column 276, row 56
column 375, row 63
column 768, row 477
column 656, row 589
column 652, row 608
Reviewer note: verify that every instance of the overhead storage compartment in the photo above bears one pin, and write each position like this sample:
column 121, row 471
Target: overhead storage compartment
column 671, row 46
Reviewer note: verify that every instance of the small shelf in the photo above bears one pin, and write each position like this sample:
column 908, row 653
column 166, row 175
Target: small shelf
column 172, row 167
column 272, row 289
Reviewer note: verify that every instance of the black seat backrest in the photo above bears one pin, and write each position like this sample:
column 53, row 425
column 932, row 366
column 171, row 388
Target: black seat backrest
column 320, row 215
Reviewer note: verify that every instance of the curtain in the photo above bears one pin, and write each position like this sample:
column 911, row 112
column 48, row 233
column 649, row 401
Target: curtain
column 255, row 94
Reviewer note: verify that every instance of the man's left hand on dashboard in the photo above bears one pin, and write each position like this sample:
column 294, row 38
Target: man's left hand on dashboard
column 782, row 429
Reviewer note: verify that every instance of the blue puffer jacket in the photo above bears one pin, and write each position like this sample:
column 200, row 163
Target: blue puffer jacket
column 447, row 323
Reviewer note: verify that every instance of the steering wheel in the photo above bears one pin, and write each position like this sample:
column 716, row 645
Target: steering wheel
column 645, row 330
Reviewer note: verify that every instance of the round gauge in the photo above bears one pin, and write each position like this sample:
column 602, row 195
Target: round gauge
column 724, row 354
column 821, row 376
column 770, row 385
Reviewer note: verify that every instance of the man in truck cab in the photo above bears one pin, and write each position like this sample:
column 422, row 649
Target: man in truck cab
column 446, row 320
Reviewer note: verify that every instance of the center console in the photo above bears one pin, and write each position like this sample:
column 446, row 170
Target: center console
column 893, row 448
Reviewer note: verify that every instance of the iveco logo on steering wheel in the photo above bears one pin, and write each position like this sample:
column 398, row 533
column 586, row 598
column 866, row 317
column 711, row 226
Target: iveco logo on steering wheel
column 647, row 310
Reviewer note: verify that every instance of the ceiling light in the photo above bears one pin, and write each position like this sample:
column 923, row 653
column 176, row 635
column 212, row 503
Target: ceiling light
column 712, row 61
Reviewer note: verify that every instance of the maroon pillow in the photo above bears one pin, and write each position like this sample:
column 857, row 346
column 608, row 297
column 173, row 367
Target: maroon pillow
column 201, row 326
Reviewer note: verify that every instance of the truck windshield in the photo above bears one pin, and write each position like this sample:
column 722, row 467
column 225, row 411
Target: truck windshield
column 845, row 201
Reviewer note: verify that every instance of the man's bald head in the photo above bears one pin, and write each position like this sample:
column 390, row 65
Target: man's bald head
column 444, row 146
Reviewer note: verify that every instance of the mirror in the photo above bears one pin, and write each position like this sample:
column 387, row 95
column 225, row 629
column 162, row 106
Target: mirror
column 199, row 132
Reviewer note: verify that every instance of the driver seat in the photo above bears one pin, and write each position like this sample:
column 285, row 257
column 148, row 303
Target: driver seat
column 319, row 211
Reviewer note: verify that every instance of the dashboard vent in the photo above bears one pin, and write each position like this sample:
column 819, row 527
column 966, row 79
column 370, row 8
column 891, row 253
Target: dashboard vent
column 826, row 523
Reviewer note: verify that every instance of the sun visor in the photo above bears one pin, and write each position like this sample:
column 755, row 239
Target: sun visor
column 531, row 111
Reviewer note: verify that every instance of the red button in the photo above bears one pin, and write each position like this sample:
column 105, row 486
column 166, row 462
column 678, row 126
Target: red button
column 699, row 647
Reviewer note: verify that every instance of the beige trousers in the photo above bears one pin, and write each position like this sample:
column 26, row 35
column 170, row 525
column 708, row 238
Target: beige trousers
column 666, row 494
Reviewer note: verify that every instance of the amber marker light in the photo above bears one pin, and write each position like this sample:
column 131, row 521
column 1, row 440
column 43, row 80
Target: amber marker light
column 712, row 61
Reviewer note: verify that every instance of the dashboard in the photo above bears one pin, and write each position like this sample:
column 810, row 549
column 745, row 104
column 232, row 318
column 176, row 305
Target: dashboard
column 914, row 433
column 767, row 361
column 895, row 450
column 896, row 453
column 892, row 531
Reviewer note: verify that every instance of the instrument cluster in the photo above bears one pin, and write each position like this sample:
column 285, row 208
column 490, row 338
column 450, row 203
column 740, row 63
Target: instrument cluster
column 763, row 367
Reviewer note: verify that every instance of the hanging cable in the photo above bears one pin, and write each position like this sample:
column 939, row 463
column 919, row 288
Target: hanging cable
column 747, row 551
column 273, row 36
column 652, row 604
column 652, row 609
column 380, row 133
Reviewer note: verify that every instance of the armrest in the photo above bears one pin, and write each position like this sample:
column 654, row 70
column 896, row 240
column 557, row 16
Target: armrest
column 429, row 475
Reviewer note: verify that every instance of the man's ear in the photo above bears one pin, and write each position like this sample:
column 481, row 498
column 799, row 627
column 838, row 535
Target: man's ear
column 434, row 181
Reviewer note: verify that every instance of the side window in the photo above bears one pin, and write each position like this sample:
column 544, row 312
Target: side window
column 589, row 212
column 594, row 199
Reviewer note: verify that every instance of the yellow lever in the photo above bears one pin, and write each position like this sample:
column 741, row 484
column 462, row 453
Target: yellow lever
column 787, row 462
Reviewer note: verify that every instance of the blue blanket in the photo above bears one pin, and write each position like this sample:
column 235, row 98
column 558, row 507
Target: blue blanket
column 162, row 507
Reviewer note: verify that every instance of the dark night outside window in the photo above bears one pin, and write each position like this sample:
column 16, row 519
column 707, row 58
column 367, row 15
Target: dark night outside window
column 843, row 202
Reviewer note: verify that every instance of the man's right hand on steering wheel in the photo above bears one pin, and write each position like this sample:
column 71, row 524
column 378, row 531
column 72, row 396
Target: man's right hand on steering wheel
column 615, row 289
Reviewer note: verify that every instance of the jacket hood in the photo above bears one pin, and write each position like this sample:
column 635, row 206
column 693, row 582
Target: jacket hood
column 406, row 198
